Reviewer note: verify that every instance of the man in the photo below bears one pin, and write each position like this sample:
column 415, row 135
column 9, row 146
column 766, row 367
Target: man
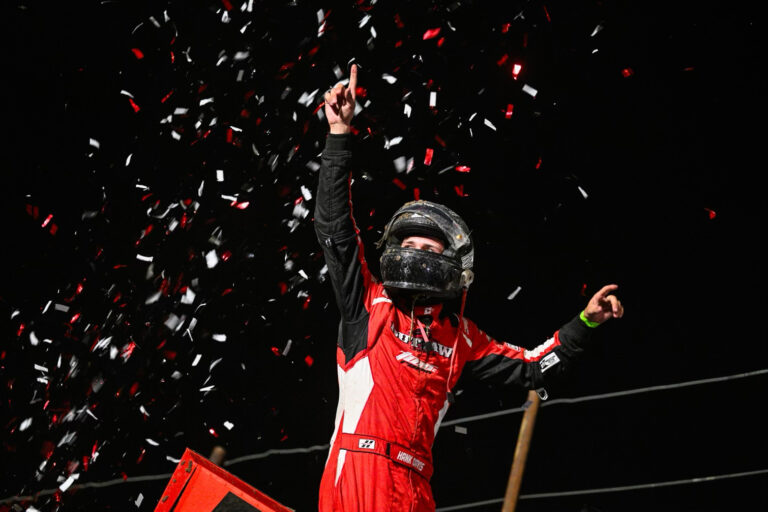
column 404, row 341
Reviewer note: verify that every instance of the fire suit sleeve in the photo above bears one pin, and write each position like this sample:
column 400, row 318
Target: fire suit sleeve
column 509, row 364
column 342, row 248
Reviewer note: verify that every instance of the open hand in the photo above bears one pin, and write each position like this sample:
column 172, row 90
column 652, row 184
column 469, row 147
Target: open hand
column 340, row 104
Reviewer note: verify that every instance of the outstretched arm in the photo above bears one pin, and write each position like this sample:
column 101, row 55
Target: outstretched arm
column 507, row 363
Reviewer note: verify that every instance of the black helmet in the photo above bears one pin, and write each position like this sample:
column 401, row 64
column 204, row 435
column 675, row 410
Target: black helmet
column 415, row 271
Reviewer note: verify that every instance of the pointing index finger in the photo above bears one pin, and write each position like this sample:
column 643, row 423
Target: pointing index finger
column 353, row 79
column 605, row 290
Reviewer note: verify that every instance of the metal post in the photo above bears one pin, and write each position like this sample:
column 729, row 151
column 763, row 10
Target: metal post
column 521, row 452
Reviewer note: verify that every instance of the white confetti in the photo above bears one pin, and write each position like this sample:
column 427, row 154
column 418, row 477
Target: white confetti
column 529, row 90
column 152, row 442
column 69, row 481
column 219, row 175
column 94, row 143
column 220, row 337
column 139, row 500
column 211, row 259
column 363, row 21
column 25, row 424
column 400, row 163
column 188, row 297
column 214, row 363
column 287, row 347
column 206, row 101
column 489, row 124
column 407, row 110
column 514, row 293
column 389, row 78
column 229, row 425
column 207, row 388
column 126, row 93
column 300, row 211
column 41, row 368
column 596, row 30
column 583, row 192
column 197, row 359
column 306, row 193
column 33, row 339
column 460, row 430
column 433, row 98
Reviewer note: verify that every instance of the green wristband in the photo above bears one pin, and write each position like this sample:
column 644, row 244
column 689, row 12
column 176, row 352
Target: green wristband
column 586, row 321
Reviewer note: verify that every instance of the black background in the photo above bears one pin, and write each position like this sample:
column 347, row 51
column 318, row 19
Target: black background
column 670, row 157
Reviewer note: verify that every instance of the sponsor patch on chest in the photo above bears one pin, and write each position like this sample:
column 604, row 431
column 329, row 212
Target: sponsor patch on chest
column 411, row 360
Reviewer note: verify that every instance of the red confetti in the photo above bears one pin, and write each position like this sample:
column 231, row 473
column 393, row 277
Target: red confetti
column 583, row 289
column 138, row 53
column 213, row 432
column 433, row 32
column 166, row 97
column 505, row 28
column 711, row 213
column 460, row 190
column 462, row 168
column 546, row 13
column 276, row 351
column 399, row 183
column 416, row 194
column 627, row 72
column 428, row 156
column 309, row 360
column 440, row 41
column 538, row 163
column 227, row 4
column 510, row 109
column 306, row 303
column 502, row 60
column 47, row 220
column 126, row 353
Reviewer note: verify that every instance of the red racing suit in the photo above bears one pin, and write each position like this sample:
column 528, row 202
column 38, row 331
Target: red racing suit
column 394, row 381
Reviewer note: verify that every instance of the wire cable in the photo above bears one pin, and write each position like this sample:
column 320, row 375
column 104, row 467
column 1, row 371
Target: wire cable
column 601, row 490
column 468, row 419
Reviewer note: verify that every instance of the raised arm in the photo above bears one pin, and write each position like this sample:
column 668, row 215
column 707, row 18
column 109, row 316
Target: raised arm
column 334, row 223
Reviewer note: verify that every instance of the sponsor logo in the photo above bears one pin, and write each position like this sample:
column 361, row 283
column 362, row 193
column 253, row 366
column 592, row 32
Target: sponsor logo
column 366, row 444
column 412, row 360
column 423, row 346
column 548, row 362
column 410, row 460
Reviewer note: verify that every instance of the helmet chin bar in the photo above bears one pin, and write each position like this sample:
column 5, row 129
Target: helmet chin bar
column 416, row 272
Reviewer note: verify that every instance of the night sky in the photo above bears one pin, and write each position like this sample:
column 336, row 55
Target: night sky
column 162, row 287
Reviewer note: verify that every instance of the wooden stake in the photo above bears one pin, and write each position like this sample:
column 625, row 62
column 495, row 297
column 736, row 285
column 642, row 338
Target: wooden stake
column 521, row 452
column 217, row 455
